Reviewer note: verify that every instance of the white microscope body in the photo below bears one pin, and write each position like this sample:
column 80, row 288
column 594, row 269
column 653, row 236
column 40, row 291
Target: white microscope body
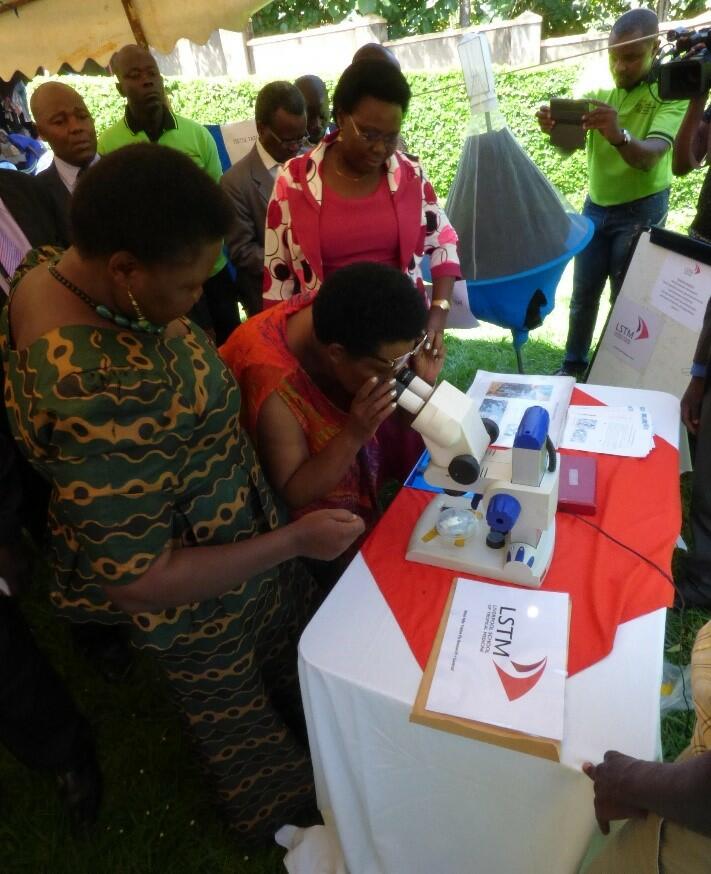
column 507, row 531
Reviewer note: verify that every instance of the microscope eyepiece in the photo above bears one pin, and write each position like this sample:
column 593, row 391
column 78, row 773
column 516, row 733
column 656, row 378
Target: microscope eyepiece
column 409, row 379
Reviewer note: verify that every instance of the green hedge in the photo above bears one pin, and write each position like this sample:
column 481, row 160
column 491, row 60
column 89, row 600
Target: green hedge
column 434, row 128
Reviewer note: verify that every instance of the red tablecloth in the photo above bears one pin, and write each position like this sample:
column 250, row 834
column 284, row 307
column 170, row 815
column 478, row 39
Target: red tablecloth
column 638, row 505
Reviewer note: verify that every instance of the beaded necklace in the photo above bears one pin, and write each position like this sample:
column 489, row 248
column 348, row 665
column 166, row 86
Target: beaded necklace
column 139, row 324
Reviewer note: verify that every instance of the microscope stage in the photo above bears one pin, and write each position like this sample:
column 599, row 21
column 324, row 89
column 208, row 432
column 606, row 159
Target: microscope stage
column 473, row 556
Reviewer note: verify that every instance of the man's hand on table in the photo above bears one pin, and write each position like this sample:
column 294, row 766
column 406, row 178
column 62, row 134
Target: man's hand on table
column 611, row 778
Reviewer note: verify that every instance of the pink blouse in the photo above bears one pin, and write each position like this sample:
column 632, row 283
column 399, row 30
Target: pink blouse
column 358, row 229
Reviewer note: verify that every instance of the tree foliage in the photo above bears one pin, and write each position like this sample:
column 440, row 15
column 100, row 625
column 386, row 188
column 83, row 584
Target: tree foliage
column 577, row 16
column 410, row 17
column 404, row 17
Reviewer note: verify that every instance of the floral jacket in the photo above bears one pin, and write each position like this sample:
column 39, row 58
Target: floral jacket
column 292, row 250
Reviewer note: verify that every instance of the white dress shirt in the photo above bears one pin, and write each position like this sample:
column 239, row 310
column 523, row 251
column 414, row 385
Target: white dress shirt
column 270, row 163
column 68, row 173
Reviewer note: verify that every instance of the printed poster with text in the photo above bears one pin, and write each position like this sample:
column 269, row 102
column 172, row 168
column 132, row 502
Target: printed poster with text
column 682, row 290
column 503, row 659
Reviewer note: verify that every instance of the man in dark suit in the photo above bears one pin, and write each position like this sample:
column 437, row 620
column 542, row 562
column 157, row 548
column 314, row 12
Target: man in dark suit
column 280, row 113
column 694, row 585
column 27, row 219
column 65, row 123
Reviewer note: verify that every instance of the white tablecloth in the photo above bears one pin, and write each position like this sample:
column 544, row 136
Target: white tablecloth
column 407, row 799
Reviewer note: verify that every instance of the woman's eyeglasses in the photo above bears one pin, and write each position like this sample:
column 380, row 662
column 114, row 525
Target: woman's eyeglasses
column 397, row 364
column 372, row 137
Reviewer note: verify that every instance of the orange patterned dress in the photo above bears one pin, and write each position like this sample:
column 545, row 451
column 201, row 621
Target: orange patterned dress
column 260, row 358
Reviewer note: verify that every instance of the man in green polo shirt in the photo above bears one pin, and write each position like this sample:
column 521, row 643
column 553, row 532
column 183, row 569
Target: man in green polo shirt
column 630, row 135
column 148, row 118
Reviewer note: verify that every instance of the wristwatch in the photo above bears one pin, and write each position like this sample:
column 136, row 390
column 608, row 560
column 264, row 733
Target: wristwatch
column 442, row 304
column 626, row 139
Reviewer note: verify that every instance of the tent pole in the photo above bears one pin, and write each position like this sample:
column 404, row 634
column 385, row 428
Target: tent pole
column 13, row 5
column 135, row 22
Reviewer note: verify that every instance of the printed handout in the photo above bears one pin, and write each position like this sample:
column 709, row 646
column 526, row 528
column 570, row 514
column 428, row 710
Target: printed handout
column 624, row 431
column 505, row 397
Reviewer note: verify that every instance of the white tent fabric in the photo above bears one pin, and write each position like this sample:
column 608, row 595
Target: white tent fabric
column 49, row 33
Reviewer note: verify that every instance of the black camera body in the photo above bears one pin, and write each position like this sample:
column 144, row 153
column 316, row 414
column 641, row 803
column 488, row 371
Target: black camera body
column 683, row 78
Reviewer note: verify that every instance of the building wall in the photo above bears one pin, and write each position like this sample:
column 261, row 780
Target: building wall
column 513, row 43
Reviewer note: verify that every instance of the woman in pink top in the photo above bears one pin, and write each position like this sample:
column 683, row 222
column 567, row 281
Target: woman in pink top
column 354, row 197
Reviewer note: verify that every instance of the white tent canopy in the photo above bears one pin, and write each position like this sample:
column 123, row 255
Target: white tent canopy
column 49, row 33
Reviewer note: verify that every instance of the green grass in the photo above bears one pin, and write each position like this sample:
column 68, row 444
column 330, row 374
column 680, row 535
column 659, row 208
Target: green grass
column 156, row 815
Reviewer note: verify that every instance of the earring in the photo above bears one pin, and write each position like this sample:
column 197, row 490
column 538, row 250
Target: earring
column 134, row 304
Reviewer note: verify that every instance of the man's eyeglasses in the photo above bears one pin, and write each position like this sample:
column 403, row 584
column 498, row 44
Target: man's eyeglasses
column 397, row 364
column 372, row 137
column 295, row 143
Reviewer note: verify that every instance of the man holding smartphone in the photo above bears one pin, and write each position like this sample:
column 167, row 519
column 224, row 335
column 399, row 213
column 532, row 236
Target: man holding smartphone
column 630, row 132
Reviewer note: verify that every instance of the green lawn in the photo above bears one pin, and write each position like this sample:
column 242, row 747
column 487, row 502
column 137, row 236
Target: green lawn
column 156, row 816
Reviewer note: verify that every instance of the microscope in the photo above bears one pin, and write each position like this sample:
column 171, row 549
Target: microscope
column 496, row 516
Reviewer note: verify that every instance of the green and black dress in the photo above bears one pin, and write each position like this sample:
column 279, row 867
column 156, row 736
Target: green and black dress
column 139, row 437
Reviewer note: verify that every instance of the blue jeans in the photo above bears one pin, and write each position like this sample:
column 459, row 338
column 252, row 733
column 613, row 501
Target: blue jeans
column 606, row 255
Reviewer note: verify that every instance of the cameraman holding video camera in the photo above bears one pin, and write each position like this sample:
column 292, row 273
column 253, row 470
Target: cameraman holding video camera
column 630, row 134
column 691, row 151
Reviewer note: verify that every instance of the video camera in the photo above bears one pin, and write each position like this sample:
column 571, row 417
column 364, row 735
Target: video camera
column 683, row 78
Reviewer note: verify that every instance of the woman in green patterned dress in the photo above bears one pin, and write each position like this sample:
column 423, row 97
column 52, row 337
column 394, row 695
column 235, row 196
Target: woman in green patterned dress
column 159, row 512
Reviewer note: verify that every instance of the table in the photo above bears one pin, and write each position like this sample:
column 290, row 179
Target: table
column 406, row 799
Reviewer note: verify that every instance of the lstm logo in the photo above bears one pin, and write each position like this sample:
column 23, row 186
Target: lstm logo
column 525, row 676
column 692, row 271
column 629, row 334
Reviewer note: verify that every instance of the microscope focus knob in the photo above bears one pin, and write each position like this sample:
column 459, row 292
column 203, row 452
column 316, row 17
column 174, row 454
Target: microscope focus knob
column 503, row 512
column 464, row 469
column 492, row 429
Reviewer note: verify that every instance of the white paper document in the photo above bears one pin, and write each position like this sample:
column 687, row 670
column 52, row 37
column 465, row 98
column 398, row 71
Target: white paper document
column 682, row 290
column 503, row 659
column 625, row 431
column 505, row 397
column 239, row 137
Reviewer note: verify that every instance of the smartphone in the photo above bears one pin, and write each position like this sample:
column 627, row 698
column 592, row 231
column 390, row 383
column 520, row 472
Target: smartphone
column 569, row 111
column 568, row 115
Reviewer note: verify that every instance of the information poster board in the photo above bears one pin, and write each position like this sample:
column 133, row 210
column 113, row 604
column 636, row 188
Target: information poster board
column 652, row 330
